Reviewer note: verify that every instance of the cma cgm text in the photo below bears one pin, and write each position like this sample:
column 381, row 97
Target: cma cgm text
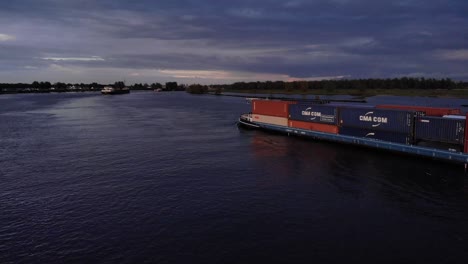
column 374, row 119
column 309, row 113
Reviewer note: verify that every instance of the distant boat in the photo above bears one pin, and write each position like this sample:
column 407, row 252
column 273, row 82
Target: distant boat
column 111, row 90
column 158, row 90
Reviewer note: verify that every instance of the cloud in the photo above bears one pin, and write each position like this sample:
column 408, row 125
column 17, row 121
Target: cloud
column 225, row 41
column 93, row 58
column 457, row 55
column 359, row 42
column 5, row 37
column 246, row 12
column 238, row 75
column 65, row 69
column 199, row 74
column 293, row 4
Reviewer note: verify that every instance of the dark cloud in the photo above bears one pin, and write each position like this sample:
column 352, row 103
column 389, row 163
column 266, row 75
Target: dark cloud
column 360, row 38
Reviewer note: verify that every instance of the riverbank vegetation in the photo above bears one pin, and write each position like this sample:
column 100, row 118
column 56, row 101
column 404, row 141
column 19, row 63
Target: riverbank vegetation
column 46, row 87
column 359, row 87
column 459, row 93
column 202, row 89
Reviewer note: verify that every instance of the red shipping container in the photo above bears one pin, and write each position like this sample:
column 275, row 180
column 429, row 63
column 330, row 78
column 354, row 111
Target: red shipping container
column 430, row 111
column 466, row 135
column 271, row 107
column 314, row 126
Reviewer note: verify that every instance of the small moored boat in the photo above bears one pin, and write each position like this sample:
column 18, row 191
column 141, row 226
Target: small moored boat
column 111, row 90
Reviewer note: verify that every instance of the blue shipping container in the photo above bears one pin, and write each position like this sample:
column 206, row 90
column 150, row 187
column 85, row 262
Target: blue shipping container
column 440, row 129
column 440, row 145
column 402, row 138
column 314, row 113
column 378, row 119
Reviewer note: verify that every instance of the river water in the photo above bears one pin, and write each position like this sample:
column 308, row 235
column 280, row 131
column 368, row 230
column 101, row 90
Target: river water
column 169, row 178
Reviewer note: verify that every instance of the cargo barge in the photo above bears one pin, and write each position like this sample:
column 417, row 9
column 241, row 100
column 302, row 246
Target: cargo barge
column 437, row 133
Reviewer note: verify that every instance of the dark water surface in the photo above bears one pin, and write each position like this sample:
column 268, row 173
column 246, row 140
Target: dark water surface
column 169, row 178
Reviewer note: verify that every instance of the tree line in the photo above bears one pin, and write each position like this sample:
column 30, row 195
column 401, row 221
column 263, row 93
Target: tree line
column 359, row 84
column 44, row 87
column 347, row 84
column 169, row 86
column 48, row 87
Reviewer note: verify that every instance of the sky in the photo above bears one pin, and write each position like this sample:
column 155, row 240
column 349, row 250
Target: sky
column 217, row 41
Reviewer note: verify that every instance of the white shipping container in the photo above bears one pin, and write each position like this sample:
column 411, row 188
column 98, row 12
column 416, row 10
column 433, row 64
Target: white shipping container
column 273, row 120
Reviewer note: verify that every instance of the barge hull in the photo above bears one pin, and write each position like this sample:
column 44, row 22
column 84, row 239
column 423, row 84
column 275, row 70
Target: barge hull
column 465, row 149
column 455, row 157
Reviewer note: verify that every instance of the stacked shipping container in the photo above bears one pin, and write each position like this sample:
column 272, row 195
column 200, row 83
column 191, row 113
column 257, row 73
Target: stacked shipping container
column 429, row 111
column 440, row 145
column 402, row 138
column 314, row 113
column 271, row 107
column 440, row 129
column 380, row 124
column 332, row 129
column 378, row 119
column 321, row 118
column 274, row 120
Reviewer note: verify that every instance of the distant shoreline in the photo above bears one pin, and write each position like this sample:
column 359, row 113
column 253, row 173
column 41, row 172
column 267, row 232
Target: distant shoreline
column 80, row 91
column 440, row 93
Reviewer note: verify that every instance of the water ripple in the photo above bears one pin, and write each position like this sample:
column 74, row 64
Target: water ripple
column 168, row 178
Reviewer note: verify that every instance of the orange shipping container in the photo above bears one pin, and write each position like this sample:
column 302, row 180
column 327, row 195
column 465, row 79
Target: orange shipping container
column 271, row 107
column 314, row 126
column 273, row 120
column 430, row 111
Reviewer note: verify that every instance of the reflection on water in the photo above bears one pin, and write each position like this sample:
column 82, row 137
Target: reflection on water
column 288, row 157
column 355, row 172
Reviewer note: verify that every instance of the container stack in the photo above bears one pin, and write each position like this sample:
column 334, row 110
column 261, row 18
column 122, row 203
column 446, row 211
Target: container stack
column 441, row 128
column 272, row 112
column 381, row 124
column 428, row 111
column 271, row 107
column 321, row 118
column 273, row 120
column 440, row 132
